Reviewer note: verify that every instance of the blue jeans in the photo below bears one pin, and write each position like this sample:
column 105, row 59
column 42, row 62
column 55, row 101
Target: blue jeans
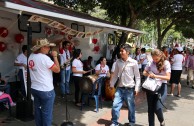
column 154, row 105
column 121, row 95
column 64, row 84
column 43, row 106
column 23, row 91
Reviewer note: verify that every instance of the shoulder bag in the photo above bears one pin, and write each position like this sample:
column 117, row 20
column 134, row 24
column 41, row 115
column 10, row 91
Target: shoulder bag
column 118, row 78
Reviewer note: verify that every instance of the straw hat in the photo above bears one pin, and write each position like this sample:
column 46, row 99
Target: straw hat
column 40, row 43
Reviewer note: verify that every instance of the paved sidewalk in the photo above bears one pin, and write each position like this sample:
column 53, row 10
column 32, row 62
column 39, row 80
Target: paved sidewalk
column 180, row 112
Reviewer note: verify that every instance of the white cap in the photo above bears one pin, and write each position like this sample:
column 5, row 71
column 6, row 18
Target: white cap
column 180, row 49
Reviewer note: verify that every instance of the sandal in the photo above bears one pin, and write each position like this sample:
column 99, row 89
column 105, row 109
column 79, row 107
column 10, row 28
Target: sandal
column 78, row 104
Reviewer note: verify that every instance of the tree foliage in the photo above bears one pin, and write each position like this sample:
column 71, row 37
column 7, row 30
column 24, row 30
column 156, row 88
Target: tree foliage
column 167, row 14
column 164, row 13
column 186, row 27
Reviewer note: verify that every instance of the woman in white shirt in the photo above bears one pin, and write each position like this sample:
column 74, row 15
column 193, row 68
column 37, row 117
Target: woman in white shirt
column 176, row 70
column 102, row 70
column 77, row 69
column 137, row 57
column 159, row 68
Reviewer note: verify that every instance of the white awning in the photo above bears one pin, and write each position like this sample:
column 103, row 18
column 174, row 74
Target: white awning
column 33, row 10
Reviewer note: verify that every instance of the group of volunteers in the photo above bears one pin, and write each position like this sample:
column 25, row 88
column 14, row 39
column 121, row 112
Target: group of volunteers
column 43, row 61
column 131, row 69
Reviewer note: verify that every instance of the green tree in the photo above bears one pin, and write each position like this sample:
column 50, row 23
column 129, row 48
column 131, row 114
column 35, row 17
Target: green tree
column 165, row 13
column 186, row 27
column 168, row 14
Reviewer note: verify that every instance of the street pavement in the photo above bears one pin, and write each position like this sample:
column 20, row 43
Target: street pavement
column 179, row 112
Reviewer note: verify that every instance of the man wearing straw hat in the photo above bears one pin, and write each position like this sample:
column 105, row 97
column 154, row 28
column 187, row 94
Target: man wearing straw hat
column 41, row 67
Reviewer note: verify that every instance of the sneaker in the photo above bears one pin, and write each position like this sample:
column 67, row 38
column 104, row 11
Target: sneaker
column 78, row 104
column 13, row 104
column 131, row 124
column 178, row 95
column 162, row 124
column 171, row 94
column 114, row 124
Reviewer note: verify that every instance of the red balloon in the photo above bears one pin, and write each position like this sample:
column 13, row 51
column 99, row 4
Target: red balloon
column 96, row 48
column 94, row 41
column 19, row 38
column 69, row 37
column 3, row 46
column 48, row 31
column 3, row 32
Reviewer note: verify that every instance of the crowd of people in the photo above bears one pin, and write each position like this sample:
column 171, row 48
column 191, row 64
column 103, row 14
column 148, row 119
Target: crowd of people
column 131, row 69
column 164, row 66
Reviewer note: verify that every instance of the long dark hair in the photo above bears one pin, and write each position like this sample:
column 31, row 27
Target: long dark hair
column 99, row 61
column 160, row 64
column 76, row 53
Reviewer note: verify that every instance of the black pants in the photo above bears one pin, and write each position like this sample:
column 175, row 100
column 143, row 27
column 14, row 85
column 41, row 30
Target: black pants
column 76, row 80
column 154, row 105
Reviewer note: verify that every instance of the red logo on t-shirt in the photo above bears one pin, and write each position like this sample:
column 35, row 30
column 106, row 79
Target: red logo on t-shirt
column 31, row 64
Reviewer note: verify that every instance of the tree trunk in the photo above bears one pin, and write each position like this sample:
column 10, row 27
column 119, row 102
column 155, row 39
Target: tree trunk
column 159, row 42
column 124, row 36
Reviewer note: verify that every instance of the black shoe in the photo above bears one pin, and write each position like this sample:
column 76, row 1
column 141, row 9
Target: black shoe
column 62, row 95
column 69, row 94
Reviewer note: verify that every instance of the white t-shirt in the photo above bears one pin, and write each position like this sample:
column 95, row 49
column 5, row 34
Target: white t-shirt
column 137, row 58
column 64, row 59
column 113, row 67
column 144, row 56
column 104, row 70
column 177, row 62
column 21, row 59
column 151, row 67
column 40, row 72
column 79, row 67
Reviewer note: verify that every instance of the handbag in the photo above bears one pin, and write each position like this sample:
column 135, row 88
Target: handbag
column 152, row 85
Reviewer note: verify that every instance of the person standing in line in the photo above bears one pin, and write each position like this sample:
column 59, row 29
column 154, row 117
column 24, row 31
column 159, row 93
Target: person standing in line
column 41, row 68
column 176, row 67
column 160, row 69
column 77, row 69
column 187, row 55
column 137, row 58
column 190, row 68
column 165, row 51
column 65, row 67
column 21, row 62
column 126, row 69
column 143, row 60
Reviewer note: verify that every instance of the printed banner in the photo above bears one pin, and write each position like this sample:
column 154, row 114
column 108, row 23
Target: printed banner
column 80, row 34
column 62, row 28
